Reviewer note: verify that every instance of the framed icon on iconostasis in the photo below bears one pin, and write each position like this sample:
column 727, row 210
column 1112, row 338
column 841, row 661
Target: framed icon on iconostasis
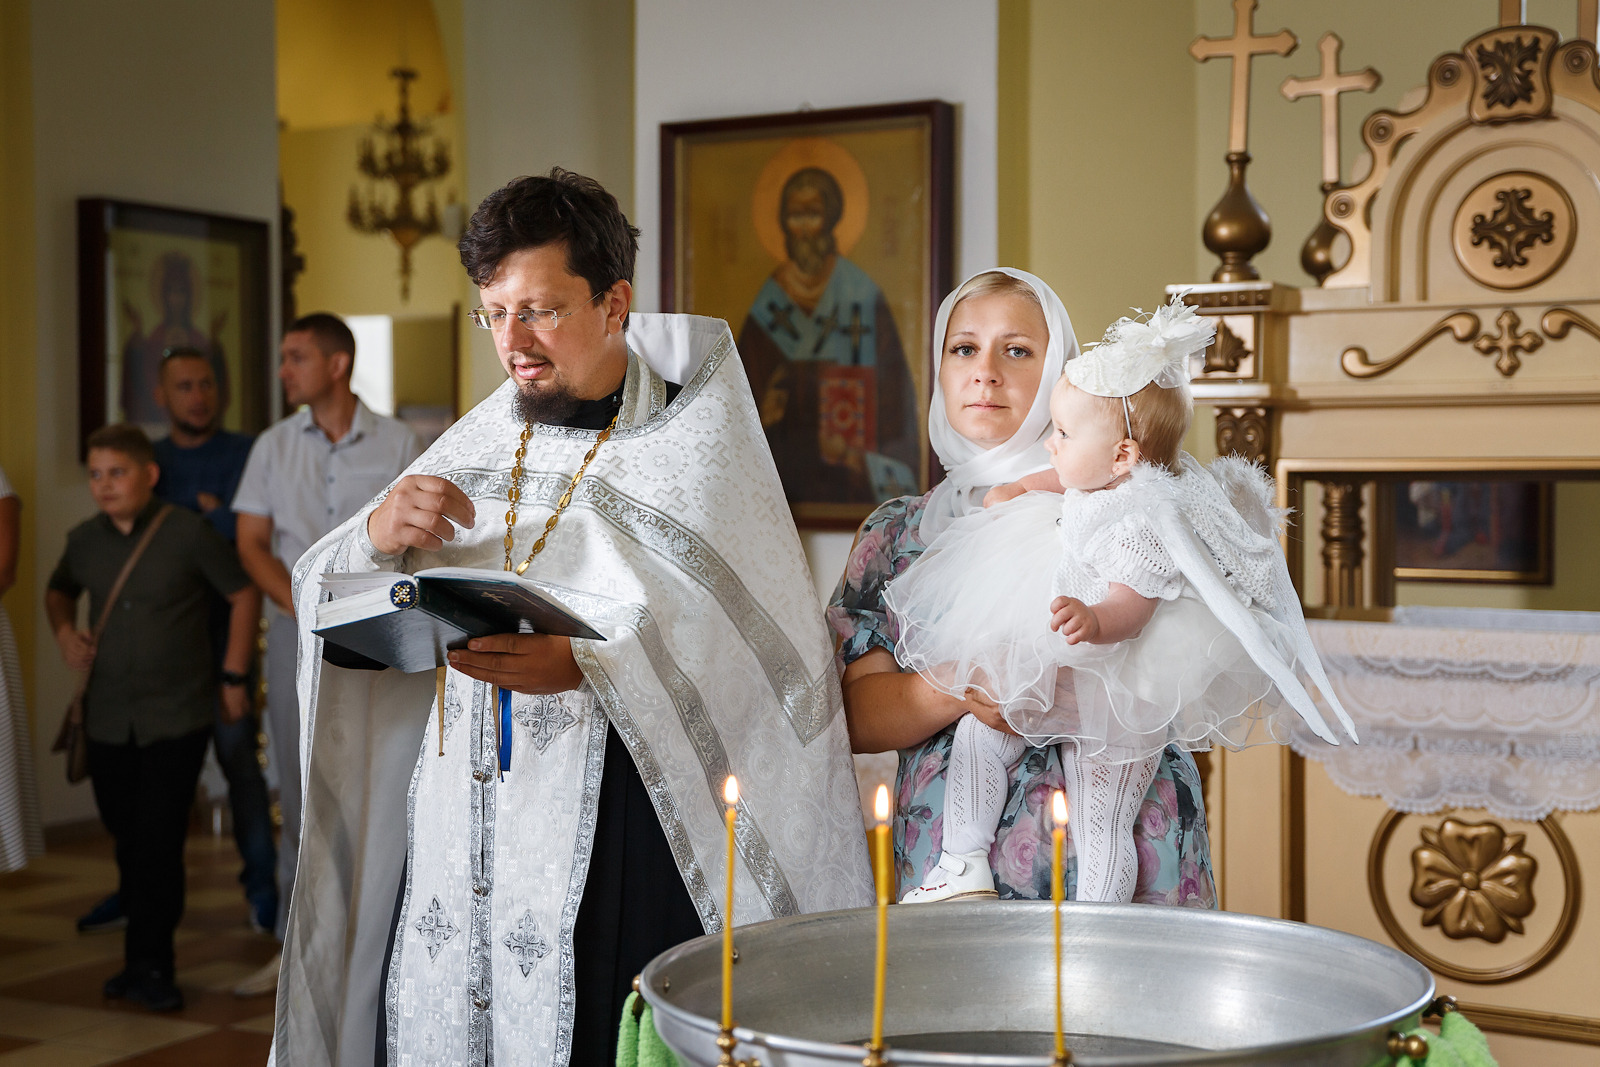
column 824, row 238
column 153, row 279
column 1490, row 530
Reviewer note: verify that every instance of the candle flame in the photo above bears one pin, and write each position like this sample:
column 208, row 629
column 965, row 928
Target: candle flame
column 1059, row 808
column 730, row 791
column 880, row 804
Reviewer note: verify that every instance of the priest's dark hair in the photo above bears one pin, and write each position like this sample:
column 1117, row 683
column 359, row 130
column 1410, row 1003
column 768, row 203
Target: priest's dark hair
column 560, row 206
column 330, row 331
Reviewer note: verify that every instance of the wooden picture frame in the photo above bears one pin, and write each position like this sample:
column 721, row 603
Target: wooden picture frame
column 1493, row 530
column 825, row 239
column 151, row 279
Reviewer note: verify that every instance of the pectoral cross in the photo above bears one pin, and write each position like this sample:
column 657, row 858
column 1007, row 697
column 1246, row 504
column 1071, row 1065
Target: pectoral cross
column 1242, row 48
column 1329, row 84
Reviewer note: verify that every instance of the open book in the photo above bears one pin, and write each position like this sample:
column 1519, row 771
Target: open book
column 408, row 621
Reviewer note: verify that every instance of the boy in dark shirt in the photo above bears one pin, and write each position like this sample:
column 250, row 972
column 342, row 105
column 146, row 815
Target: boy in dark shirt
column 152, row 685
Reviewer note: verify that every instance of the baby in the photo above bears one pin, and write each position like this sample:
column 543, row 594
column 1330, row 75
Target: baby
column 1169, row 601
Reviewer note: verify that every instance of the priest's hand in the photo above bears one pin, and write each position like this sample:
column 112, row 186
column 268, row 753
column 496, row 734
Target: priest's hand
column 418, row 513
column 522, row 663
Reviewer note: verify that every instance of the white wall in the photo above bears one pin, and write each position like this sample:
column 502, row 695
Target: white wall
column 546, row 83
column 171, row 103
column 701, row 59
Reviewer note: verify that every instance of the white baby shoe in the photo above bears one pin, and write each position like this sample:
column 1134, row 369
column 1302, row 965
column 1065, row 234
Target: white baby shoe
column 957, row 876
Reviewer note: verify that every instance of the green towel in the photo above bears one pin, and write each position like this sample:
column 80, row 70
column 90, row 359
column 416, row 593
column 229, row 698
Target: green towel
column 638, row 1044
column 1470, row 1044
column 1457, row 1044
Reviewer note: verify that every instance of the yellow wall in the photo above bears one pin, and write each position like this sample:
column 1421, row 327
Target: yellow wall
column 1105, row 213
column 334, row 58
column 18, row 382
column 349, row 272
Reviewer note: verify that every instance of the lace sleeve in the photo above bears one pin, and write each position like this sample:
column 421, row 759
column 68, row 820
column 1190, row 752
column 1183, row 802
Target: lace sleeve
column 1128, row 550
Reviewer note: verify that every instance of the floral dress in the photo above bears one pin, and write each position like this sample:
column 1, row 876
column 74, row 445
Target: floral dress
column 1174, row 850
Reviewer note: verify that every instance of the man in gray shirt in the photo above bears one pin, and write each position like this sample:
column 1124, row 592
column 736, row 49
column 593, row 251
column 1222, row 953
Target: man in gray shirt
column 305, row 476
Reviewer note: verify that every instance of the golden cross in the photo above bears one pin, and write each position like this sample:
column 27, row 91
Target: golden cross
column 1328, row 85
column 1513, row 12
column 1507, row 343
column 1242, row 48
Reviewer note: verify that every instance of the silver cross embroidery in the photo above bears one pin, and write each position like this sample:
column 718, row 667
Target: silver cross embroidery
column 545, row 718
column 525, row 944
column 435, row 928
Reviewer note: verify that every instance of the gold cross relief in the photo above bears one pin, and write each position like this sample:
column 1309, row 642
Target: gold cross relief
column 1242, row 48
column 1507, row 343
column 1329, row 84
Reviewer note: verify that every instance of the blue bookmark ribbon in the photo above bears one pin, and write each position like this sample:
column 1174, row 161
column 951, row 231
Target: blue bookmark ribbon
column 505, row 731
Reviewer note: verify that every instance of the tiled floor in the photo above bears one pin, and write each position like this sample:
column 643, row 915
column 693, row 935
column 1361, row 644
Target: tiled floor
column 51, row 1010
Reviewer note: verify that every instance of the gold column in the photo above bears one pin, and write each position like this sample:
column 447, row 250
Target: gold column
column 1341, row 543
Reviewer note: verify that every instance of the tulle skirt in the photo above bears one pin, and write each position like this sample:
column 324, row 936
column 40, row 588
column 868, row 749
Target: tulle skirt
column 973, row 613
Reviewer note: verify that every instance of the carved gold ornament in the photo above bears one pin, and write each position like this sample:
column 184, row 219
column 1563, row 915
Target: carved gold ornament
column 1507, row 339
column 1508, row 74
column 1225, row 353
column 1462, row 325
column 1472, row 879
column 1507, row 343
column 1513, row 230
column 1245, row 432
column 1507, row 68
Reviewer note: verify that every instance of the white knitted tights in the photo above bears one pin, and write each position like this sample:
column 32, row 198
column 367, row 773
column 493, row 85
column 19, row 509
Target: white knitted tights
column 975, row 784
column 1103, row 802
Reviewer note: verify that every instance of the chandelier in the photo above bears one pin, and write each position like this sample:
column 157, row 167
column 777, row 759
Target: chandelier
column 408, row 163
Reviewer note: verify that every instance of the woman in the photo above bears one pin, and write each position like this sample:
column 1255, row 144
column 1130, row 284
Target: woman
column 988, row 422
column 20, row 835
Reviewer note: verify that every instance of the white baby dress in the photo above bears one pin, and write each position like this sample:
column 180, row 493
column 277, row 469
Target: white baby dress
column 1220, row 660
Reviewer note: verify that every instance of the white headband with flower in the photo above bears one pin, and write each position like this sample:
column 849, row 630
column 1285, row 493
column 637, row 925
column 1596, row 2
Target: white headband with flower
column 1135, row 352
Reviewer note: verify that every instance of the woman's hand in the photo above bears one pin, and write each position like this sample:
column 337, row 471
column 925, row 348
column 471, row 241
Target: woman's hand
column 1074, row 620
column 1001, row 493
column 986, row 711
column 887, row 709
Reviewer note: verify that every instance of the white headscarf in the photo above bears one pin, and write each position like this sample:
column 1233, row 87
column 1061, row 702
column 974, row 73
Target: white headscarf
column 970, row 469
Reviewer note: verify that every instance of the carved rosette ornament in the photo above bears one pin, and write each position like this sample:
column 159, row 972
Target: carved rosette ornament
column 1473, row 880
column 1513, row 230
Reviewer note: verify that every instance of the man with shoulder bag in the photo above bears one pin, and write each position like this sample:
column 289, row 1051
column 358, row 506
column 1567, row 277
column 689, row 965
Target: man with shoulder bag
column 145, row 710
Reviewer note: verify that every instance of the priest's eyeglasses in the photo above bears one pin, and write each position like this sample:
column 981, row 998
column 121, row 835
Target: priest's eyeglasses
column 541, row 319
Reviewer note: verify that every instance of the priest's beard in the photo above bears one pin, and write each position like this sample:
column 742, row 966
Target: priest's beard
column 552, row 405
column 194, row 429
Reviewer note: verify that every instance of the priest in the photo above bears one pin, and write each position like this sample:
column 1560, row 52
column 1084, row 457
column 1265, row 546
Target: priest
column 492, row 852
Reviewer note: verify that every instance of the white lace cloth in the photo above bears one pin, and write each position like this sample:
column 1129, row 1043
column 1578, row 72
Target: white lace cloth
column 1467, row 708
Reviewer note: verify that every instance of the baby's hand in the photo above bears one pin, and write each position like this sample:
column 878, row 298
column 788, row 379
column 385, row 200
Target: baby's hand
column 1074, row 620
column 1001, row 493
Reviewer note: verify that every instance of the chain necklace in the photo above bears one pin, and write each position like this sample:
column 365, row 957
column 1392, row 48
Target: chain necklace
column 514, row 494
